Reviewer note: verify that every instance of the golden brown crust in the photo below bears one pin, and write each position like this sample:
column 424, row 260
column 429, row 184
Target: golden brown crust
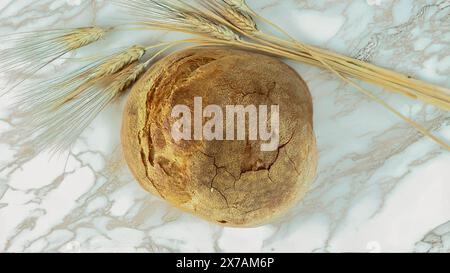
column 228, row 182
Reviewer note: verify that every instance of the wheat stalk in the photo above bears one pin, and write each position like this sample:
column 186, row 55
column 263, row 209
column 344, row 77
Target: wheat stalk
column 390, row 80
column 29, row 52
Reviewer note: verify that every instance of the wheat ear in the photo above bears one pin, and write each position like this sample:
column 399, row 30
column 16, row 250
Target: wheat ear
column 51, row 94
column 27, row 53
column 242, row 21
column 240, row 5
column 176, row 15
column 387, row 79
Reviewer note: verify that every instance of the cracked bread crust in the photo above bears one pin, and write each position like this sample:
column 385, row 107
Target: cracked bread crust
column 231, row 183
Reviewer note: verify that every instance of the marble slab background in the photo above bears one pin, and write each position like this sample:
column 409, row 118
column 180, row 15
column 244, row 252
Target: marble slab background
column 381, row 186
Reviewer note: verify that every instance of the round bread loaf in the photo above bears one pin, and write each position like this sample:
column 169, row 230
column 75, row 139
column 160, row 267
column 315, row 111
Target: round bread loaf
column 229, row 182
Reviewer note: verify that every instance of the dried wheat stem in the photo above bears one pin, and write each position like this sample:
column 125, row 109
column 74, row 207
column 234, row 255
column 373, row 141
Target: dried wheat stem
column 385, row 78
column 393, row 81
column 369, row 68
column 386, row 81
column 377, row 99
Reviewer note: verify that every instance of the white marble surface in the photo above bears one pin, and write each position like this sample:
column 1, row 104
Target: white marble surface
column 381, row 186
